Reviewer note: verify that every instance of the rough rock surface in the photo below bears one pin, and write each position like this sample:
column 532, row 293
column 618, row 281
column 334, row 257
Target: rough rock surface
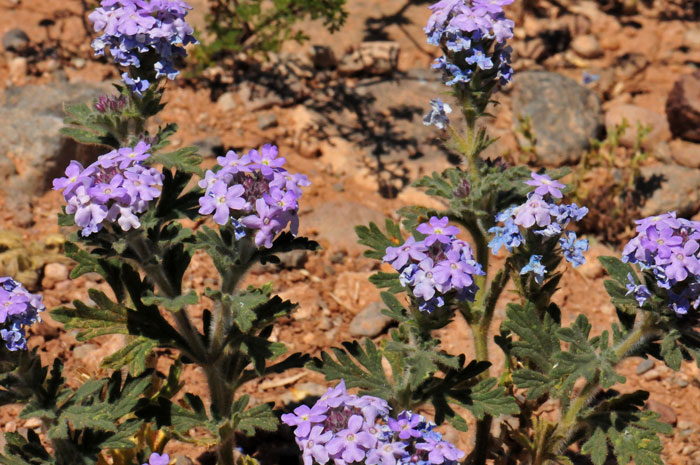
column 683, row 107
column 564, row 115
column 672, row 188
column 335, row 222
column 32, row 151
column 685, row 153
column 634, row 115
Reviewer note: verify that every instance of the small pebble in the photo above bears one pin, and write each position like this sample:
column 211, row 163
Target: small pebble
column 652, row 375
column 644, row 366
column 370, row 322
column 338, row 187
column 266, row 121
column 15, row 40
column 687, row 450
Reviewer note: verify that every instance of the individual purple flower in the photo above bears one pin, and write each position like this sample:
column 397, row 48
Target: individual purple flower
column 386, row 453
column 404, row 425
column 158, row 459
column 437, row 229
column 545, row 185
column 662, row 242
column 314, row 446
column 304, row 418
column 639, row 291
column 267, row 159
column 454, row 270
column 425, row 281
column 437, row 116
column 351, row 443
column 74, row 178
column 480, row 59
column 265, row 221
column 439, row 451
column 222, row 200
column 411, row 249
column 507, row 236
column 130, row 155
column 683, row 261
column 233, row 164
column 534, row 211
column 573, row 248
column 137, row 85
column 535, row 267
column 663, row 221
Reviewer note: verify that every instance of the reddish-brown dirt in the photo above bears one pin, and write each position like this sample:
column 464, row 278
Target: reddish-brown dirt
column 331, row 292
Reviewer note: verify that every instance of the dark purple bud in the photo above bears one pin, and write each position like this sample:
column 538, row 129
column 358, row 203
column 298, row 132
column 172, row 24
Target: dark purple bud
column 463, row 190
column 497, row 162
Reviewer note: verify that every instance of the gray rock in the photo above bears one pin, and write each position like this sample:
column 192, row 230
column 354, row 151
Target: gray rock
column 183, row 460
column 294, row 259
column 564, row 115
column 266, row 121
column 15, row 40
column 370, row 322
column 683, row 107
column 211, row 146
column 32, row 151
column 672, row 188
column 644, row 366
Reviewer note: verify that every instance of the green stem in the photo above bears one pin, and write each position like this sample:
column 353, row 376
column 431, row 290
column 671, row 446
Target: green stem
column 483, row 426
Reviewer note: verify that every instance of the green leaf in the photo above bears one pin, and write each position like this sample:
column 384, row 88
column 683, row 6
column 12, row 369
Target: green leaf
column 596, row 447
column 173, row 304
column 388, row 281
column 134, row 354
column 358, row 367
column 670, row 350
column 259, row 417
column 377, row 241
column 618, row 269
column 185, row 159
column 487, row 398
column 394, row 308
column 631, row 431
column 106, row 318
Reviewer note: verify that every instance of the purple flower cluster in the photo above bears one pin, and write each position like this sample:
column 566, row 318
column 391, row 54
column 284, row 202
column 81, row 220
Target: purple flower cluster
column 255, row 193
column 346, row 429
column 437, row 267
column 669, row 247
column 18, row 308
column 473, row 35
column 541, row 215
column 158, row 459
column 131, row 29
column 115, row 188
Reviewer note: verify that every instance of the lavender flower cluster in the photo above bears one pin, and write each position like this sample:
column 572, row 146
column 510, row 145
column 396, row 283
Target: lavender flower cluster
column 115, row 188
column 357, row 429
column 18, row 308
column 436, row 266
column 669, row 247
column 473, row 35
column 543, row 217
column 134, row 28
column 255, row 193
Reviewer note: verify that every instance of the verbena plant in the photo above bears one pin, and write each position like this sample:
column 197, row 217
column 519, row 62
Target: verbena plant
column 438, row 277
column 131, row 209
column 256, row 27
column 128, row 208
